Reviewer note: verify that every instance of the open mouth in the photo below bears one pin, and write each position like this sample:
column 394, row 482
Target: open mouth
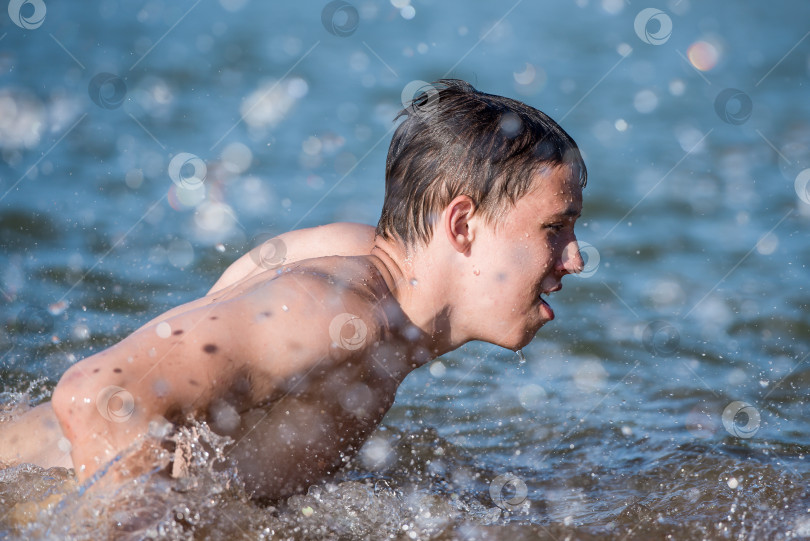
column 542, row 296
column 549, row 311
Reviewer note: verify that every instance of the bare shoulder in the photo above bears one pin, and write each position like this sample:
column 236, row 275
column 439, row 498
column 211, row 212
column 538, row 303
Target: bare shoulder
column 337, row 239
column 355, row 233
column 320, row 310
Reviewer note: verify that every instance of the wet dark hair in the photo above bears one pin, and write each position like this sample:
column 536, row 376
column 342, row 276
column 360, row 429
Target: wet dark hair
column 456, row 140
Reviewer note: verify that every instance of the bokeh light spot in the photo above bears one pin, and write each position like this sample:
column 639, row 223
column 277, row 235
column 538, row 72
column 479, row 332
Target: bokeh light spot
column 703, row 55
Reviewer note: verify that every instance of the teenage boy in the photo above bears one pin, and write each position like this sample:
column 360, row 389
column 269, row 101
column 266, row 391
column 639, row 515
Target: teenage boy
column 297, row 356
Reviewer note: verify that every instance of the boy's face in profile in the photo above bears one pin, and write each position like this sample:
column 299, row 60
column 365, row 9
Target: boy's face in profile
column 526, row 255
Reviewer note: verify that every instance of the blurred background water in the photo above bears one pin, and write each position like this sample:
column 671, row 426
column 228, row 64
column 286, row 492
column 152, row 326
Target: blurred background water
column 667, row 398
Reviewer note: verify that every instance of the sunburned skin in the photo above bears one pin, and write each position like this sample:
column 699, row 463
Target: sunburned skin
column 299, row 366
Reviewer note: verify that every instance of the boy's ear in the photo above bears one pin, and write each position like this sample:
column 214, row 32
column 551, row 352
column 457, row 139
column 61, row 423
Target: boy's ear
column 457, row 218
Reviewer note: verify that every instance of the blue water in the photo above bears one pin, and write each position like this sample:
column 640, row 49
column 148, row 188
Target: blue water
column 614, row 425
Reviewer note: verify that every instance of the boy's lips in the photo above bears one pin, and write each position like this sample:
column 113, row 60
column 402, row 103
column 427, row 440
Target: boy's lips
column 553, row 289
column 549, row 312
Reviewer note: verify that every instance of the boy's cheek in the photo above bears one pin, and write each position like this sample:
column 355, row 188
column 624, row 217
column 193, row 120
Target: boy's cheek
column 518, row 256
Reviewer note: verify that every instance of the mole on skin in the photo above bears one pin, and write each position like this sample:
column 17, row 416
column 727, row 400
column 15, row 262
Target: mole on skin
column 210, row 348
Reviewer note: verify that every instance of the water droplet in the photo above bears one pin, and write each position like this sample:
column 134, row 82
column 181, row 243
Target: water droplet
column 57, row 308
column 284, row 307
column 414, row 281
column 163, row 329
column 521, row 356
column 64, row 445
column 733, row 483
column 476, row 272
column 437, row 369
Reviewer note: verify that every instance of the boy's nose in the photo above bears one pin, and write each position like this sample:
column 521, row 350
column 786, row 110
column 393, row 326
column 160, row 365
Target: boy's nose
column 571, row 260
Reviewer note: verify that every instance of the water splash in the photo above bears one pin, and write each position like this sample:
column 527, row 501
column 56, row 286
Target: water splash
column 16, row 400
column 197, row 501
column 521, row 356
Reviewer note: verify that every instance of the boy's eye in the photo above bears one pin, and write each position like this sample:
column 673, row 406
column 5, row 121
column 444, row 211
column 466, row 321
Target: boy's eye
column 555, row 227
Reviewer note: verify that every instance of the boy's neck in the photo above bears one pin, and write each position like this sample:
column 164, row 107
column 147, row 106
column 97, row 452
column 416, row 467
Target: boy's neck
column 420, row 290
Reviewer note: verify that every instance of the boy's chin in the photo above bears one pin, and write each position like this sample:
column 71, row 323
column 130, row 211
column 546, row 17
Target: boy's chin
column 523, row 343
column 526, row 339
column 519, row 342
column 514, row 340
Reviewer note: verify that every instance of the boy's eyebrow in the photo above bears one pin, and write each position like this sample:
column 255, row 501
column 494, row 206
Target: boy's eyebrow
column 570, row 212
